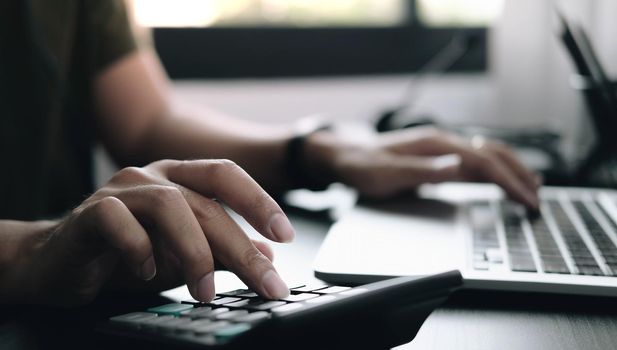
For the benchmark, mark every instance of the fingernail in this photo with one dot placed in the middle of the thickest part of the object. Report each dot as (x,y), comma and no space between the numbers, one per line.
(447,161)
(205,287)
(148,269)
(274,285)
(281,228)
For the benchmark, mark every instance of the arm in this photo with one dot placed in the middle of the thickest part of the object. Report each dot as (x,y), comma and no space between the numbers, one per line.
(138,125)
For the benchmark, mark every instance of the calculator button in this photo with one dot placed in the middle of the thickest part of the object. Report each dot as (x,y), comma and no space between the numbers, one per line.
(232,314)
(170,309)
(210,327)
(195,302)
(266,305)
(249,295)
(300,297)
(286,309)
(253,317)
(172,325)
(231,331)
(211,313)
(152,322)
(224,300)
(334,289)
(241,303)
(196,311)
(133,319)
(321,299)
(309,287)
(191,326)
(234,293)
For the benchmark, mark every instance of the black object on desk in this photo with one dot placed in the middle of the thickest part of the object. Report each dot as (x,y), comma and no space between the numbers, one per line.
(376,316)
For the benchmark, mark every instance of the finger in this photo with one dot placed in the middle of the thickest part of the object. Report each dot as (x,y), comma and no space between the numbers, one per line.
(530,179)
(264,248)
(166,209)
(109,219)
(224,180)
(479,164)
(497,172)
(232,247)
(409,172)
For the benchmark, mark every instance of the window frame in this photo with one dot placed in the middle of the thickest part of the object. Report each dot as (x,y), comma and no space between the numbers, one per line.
(233,52)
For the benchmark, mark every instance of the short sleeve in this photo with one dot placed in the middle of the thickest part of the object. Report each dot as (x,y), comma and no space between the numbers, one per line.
(111,28)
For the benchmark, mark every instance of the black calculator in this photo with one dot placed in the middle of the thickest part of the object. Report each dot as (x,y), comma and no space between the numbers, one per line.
(378,315)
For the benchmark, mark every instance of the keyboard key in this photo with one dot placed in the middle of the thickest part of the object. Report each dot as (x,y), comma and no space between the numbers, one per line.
(241,303)
(191,326)
(249,295)
(590,271)
(170,309)
(300,297)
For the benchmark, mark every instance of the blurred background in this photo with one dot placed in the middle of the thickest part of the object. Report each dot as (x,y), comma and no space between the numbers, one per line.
(280,60)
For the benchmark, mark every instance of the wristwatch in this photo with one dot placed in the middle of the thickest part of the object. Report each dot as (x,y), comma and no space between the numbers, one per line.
(295,160)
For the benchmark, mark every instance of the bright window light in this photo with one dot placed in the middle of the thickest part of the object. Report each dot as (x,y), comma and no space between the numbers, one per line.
(455,13)
(204,13)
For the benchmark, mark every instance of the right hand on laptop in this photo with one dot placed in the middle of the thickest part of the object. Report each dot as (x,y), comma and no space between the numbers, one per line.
(161,224)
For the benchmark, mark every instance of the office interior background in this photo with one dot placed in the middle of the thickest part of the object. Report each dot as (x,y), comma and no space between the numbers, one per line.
(279,60)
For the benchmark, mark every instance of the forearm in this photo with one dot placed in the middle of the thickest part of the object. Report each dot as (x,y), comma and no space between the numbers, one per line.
(258,149)
(17,240)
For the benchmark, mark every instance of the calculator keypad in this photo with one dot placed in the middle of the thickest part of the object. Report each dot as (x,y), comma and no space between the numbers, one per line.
(228,315)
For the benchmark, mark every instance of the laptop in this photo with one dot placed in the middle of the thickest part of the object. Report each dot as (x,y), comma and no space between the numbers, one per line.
(569,246)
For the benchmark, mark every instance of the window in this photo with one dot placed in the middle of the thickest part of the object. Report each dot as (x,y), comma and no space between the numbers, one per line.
(227,38)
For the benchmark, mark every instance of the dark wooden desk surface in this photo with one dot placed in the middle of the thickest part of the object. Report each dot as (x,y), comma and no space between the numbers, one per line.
(491,320)
(469,320)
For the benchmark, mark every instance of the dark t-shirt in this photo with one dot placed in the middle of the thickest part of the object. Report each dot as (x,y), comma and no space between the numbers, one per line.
(50,51)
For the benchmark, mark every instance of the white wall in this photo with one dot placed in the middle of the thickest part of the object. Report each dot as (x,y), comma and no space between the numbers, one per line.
(531,68)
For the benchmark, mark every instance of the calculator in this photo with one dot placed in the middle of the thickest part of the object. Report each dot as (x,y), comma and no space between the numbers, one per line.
(379,315)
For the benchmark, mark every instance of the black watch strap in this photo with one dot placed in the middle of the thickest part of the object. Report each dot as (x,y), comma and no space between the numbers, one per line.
(295,162)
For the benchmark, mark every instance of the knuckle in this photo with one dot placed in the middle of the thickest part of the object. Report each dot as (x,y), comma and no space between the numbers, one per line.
(105,210)
(251,258)
(131,174)
(166,194)
(208,210)
(221,167)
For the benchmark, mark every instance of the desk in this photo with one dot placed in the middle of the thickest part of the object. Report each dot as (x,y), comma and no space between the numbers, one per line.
(470,319)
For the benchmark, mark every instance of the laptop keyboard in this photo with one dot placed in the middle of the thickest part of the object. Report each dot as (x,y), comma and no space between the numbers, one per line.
(565,237)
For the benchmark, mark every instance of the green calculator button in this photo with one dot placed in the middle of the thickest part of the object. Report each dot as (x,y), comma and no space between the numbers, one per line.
(170,309)
(232,331)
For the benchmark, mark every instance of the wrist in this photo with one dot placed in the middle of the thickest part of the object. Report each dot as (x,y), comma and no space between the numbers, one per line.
(20,241)
(321,152)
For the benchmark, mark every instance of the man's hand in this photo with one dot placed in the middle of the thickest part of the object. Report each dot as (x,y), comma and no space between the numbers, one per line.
(402,160)
(163,224)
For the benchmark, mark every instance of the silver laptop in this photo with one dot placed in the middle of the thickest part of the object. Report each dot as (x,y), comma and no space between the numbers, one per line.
(570,246)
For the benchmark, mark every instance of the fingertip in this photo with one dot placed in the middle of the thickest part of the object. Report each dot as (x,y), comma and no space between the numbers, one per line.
(148,269)
(204,290)
(281,228)
(274,285)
